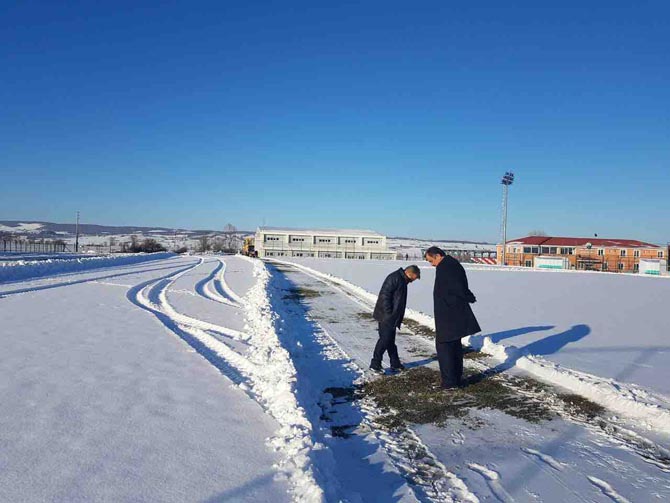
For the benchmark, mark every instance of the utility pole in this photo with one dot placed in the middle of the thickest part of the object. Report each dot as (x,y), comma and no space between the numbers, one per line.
(76,239)
(507,180)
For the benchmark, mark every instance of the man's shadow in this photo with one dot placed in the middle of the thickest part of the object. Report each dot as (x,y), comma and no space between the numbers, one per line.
(547,346)
(499,336)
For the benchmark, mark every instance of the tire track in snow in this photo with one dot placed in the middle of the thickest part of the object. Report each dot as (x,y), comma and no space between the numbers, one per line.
(265,373)
(222,286)
(158,297)
(7,293)
(204,287)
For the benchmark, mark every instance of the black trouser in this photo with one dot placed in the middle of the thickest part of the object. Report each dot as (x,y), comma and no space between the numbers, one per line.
(386,343)
(450,358)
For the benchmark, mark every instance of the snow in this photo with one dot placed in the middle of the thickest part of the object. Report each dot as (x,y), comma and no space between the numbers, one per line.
(102,403)
(491,456)
(201,378)
(16,270)
(22,227)
(600,335)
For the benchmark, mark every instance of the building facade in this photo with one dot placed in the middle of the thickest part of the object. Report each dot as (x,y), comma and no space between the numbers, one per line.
(321,243)
(609,255)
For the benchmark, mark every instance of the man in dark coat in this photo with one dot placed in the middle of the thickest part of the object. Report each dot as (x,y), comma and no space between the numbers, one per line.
(389,312)
(454,318)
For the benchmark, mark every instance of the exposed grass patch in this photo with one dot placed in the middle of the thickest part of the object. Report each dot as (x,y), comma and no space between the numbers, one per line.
(346,394)
(473,354)
(578,405)
(365,316)
(418,328)
(301,293)
(283,268)
(415,396)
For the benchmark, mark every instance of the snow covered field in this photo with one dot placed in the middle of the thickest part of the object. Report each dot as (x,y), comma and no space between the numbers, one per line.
(219,378)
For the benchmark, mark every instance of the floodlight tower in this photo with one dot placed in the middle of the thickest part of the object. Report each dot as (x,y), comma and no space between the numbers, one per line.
(507,180)
(76,239)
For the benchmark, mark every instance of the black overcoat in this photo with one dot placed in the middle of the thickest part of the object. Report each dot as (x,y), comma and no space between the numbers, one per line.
(392,300)
(454,318)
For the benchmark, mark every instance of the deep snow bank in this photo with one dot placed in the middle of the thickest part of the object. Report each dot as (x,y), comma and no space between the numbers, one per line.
(21,270)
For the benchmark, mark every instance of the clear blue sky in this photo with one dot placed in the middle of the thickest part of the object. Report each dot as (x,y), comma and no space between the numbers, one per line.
(395,116)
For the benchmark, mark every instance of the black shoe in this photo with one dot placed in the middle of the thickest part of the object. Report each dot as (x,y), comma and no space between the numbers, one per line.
(398,368)
(451,387)
(377,370)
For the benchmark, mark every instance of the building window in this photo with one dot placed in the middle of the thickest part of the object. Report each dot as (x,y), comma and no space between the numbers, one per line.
(604,266)
(621,266)
(660,254)
(636,254)
(636,268)
(529,263)
(601,252)
(545,250)
(350,241)
(567,251)
(623,253)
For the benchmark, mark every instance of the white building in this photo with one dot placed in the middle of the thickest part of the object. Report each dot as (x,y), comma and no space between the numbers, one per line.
(332,243)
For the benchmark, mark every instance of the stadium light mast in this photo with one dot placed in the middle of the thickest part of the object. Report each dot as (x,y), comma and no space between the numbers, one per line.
(76,239)
(507,180)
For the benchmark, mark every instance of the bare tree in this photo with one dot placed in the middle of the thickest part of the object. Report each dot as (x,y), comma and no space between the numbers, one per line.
(134,243)
(229,236)
(203,244)
(218,244)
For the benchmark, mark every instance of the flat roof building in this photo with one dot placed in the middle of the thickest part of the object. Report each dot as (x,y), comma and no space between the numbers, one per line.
(613,255)
(322,243)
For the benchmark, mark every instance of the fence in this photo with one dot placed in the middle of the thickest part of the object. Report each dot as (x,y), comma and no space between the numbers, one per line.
(21,246)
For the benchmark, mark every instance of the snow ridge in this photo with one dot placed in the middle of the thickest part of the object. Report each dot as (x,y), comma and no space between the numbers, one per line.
(274,383)
(27,269)
(265,373)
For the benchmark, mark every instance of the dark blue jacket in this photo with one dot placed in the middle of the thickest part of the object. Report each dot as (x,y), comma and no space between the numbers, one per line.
(392,300)
(454,318)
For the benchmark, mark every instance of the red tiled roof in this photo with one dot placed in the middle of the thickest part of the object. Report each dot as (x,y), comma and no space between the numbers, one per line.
(596,242)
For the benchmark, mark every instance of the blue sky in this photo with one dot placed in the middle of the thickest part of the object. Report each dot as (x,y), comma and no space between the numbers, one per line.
(395,116)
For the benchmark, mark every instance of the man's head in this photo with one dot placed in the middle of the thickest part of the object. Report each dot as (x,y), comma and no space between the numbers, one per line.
(434,255)
(412,273)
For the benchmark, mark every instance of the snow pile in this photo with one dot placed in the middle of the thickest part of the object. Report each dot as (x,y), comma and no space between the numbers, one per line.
(21,270)
(274,382)
(627,399)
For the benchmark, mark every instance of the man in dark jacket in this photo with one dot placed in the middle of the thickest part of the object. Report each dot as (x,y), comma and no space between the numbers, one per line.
(454,318)
(389,312)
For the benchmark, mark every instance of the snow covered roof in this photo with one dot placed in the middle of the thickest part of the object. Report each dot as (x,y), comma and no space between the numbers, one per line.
(596,242)
(320,232)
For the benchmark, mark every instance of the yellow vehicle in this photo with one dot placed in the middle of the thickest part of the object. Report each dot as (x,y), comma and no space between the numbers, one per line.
(248,248)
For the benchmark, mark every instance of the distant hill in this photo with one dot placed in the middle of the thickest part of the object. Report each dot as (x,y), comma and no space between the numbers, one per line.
(53,230)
